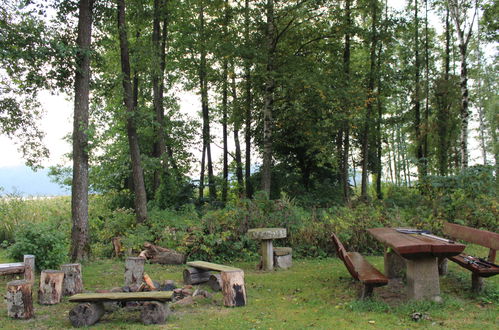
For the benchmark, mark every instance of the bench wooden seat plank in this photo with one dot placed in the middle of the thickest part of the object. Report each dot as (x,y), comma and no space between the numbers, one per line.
(122,296)
(211,266)
(481,271)
(411,246)
(7,269)
(365,271)
(360,269)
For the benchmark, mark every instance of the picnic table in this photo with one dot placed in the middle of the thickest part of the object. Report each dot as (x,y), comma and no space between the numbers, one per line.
(420,254)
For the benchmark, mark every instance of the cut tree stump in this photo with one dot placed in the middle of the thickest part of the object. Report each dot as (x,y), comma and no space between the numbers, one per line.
(134,271)
(196,275)
(29,268)
(154,312)
(215,282)
(50,291)
(19,299)
(73,282)
(233,289)
(86,314)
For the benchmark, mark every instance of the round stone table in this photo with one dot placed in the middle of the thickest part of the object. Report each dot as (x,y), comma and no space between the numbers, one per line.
(266,235)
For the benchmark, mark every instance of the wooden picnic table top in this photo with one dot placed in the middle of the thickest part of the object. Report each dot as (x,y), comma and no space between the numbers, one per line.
(413,246)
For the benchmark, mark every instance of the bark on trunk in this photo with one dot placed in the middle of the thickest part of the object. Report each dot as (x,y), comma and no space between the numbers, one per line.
(346,125)
(50,291)
(29,268)
(195,275)
(86,314)
(247,104)
(268,100)
(19,300)
(134,271)
(73,282)
(154,312)
(233,289)
(140,199)
(79,189)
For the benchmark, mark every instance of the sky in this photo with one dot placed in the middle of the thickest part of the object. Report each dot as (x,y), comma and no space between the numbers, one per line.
(57,123)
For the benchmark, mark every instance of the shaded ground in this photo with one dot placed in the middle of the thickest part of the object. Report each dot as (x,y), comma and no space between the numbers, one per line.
(314,294)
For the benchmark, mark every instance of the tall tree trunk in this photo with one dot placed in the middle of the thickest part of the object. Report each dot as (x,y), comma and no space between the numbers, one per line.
(346,125)
(203,82)
(369,108)
(248,106)
(417,97)
(237,127)
(79,195)
(140,200)
(268,100)
(427,96)
(459,15)
(225,92)
(379,147)
(159,51)
(201,176)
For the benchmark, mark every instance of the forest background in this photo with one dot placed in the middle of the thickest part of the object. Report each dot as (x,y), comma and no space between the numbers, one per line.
(315,97)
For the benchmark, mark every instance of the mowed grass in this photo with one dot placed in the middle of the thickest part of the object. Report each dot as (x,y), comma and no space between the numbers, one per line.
(314,294)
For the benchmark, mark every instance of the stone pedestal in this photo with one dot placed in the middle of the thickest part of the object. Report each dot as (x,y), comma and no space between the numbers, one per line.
(266,235)
(395,266)
(422,279)
(283,257)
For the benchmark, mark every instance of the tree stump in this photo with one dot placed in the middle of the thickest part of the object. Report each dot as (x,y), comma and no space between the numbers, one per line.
(196,275)
(73,282)
(233,288)
(215,282)
(134,271)
(19,299)
(29,268)
(50,291)
(86,314)
(154,312)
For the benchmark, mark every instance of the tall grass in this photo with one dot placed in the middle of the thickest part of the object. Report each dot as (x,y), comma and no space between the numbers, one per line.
(15,210)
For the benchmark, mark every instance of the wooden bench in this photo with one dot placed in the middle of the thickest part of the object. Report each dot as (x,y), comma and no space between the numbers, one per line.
(27,268)
(90,308)
(480,237)
(232,280)
(360,269)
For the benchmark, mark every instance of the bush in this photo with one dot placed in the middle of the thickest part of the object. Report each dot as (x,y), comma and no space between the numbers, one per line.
(44,240)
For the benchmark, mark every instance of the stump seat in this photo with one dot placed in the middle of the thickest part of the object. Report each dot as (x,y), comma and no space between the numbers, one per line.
(360,269)
(283,257)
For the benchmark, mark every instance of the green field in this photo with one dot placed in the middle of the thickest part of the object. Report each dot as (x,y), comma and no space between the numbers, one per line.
(314,294)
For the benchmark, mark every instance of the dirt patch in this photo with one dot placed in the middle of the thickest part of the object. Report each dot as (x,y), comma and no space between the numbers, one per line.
(394,293)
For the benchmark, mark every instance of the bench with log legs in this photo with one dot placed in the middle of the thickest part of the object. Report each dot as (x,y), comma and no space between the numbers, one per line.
(27,268)
(360,269)
(479,268)
(231,280)
(90,308)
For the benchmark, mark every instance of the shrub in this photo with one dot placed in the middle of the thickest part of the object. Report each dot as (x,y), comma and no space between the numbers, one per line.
(44,240)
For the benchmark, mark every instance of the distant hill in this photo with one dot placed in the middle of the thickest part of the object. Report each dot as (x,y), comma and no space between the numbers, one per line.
(23,181)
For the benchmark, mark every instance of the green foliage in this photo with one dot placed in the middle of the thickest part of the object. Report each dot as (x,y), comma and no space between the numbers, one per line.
(46,241)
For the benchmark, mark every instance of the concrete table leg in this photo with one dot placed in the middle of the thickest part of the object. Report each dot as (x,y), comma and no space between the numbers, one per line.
(394,265)
(267,255)
(423,280)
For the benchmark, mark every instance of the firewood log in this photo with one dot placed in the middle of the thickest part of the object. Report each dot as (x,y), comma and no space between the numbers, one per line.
(86,314)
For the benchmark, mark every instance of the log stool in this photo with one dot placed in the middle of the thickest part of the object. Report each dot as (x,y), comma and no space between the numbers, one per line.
(134,271)
(266,235)
(50,291)
(19,299)
(283,257)
(73,282)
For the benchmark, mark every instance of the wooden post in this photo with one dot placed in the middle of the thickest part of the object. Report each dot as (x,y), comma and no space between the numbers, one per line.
(215,282)
(29,268)
(196,275)
(73,282)
(154,312)
(233,288)
(19,299)
(50,291)
(86,314)
(134,271)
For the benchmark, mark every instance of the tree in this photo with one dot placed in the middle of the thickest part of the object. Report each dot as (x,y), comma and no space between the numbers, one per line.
(140,198)
(79,194)
(459,10)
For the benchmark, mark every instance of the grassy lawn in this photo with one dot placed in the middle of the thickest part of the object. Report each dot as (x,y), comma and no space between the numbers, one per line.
(315,294)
